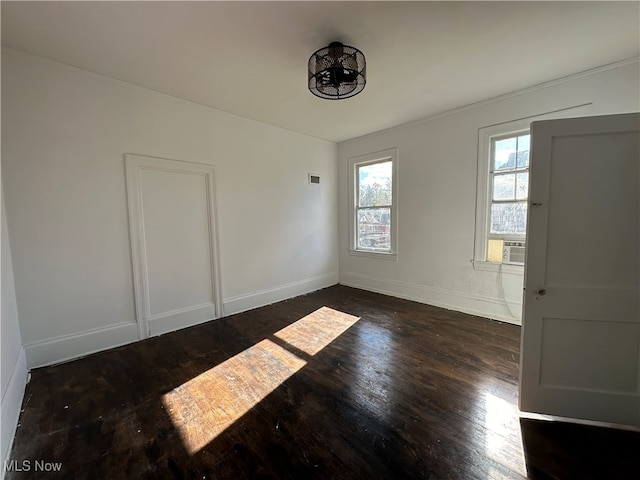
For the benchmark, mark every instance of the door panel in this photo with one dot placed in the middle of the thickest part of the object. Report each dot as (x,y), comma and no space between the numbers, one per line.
(593,182)
(177,240)
(590,364)
(580,354)
(173,238)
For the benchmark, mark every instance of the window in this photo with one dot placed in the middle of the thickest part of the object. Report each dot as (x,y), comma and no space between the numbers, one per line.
(503,189)
(509,176)
(373,193)
(373,206)
(509,186)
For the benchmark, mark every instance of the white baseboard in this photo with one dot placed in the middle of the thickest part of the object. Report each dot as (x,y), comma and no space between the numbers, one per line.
(242,303)
(494,308)
(68,347)
(11,405)
(185,317)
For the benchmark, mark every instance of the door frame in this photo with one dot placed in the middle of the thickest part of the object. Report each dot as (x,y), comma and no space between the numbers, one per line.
(134,166)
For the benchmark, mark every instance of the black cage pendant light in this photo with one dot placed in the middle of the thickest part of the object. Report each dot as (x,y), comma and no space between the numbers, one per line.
(337,71)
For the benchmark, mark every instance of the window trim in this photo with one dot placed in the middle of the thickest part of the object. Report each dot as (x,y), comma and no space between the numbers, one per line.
(371,159)
(483,187)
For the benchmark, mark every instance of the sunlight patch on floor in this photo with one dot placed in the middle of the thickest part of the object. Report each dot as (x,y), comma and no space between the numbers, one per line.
(317,330)
(205,406)
(503,439)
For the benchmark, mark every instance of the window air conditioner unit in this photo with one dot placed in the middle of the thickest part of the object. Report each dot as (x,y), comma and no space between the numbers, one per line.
(513,253)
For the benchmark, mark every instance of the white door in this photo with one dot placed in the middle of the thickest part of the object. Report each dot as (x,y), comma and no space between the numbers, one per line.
(580,355)
(173,238)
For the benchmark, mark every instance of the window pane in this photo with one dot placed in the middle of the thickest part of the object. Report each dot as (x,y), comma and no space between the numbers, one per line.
(504,154)
(523,151)
(509,218)
(504,187)
(522,186)
(374,229)
(374,183)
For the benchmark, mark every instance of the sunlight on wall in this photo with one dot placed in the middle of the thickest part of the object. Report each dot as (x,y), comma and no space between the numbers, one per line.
(205,406)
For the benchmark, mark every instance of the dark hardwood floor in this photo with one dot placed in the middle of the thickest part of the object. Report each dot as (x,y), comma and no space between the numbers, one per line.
(368,387)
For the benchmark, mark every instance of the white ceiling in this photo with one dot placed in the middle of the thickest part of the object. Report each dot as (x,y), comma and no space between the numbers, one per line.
(250,58)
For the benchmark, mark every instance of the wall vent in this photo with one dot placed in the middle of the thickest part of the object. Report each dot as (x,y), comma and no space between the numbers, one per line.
(314,179)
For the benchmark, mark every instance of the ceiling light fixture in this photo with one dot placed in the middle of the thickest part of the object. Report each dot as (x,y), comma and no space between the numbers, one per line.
(337,71)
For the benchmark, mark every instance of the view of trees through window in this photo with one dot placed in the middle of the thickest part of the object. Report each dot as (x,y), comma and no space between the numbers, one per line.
(510,185)
(373,209)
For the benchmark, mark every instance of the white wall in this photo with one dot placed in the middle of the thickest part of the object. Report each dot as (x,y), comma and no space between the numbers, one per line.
(65,132)
(437,195)
(13,367)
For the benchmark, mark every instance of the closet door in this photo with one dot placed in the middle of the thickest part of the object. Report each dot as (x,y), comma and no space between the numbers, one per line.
(173,237)
(580,354)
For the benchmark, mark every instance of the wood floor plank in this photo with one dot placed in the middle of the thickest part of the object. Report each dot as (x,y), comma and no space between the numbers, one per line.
(337,384)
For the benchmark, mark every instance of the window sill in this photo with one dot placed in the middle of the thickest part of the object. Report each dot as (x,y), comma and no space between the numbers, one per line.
(383,255)
(498,267)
